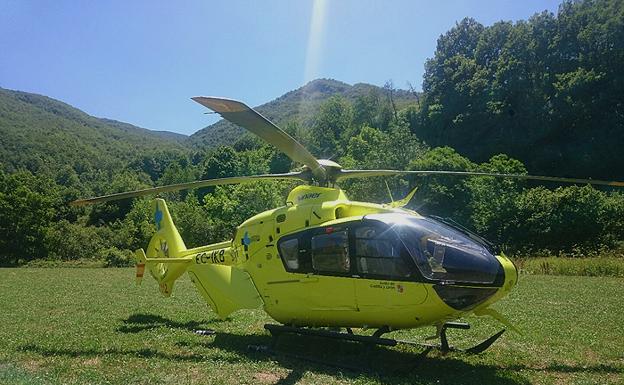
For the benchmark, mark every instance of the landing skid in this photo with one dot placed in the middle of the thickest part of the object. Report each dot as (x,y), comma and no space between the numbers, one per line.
(370,341)
(444,346)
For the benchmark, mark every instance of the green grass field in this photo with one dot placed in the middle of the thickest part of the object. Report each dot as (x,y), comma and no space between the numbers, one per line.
(91,326)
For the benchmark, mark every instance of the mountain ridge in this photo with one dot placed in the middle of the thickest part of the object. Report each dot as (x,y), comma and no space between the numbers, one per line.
(38,132)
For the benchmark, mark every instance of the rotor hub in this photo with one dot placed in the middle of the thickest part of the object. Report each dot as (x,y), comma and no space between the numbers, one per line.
(331,172)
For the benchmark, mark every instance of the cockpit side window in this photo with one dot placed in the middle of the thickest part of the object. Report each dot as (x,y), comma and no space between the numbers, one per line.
(379,253)
(289,250)
(293,249)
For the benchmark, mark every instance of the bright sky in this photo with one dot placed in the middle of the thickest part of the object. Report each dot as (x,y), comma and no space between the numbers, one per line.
(141,61)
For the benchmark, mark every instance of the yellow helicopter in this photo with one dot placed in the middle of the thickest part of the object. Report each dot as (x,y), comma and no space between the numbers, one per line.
(322,260)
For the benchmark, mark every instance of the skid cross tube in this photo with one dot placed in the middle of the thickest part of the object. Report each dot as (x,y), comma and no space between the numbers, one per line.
(444,345)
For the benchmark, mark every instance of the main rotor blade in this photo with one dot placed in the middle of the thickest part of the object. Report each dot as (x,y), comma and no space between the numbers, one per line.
(241,114)
(347,174)
(189,185)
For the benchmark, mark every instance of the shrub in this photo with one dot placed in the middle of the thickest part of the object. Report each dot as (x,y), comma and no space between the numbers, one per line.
(113,257)
(70,241)
(26,209)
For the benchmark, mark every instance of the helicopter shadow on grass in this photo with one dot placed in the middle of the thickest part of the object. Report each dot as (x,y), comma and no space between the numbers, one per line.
(140,322)
(146,353)
(301,354)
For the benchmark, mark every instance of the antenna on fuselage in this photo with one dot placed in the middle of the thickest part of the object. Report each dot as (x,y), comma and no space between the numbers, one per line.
(389,192)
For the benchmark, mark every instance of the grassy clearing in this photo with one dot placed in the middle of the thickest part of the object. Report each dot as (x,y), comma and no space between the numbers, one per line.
(85,326)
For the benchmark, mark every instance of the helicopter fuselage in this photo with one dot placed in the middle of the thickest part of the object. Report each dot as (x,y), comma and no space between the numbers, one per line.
(323,260)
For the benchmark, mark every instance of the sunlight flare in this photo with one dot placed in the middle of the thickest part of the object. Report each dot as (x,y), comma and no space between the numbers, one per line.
(315,40)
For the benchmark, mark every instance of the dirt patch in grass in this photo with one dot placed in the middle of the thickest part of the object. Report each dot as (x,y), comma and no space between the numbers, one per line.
(93,361)
(32,365)
(267,377)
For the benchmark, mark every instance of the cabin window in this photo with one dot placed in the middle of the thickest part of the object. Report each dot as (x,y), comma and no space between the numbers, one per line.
(289,250)
(330,252)
(378,253)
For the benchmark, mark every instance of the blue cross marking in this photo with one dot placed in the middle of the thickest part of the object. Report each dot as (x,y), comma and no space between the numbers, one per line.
(246,239)
(158,216)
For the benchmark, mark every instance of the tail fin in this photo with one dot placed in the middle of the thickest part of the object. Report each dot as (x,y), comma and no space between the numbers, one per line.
(164,252)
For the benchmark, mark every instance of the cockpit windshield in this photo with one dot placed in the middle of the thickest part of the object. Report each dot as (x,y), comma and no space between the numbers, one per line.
(441,252)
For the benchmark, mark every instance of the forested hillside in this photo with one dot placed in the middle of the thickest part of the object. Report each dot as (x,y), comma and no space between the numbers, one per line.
(42,134)
(542,96)
(548,91)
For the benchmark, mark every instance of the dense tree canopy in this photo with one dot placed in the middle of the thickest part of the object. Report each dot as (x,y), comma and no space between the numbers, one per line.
(547,91)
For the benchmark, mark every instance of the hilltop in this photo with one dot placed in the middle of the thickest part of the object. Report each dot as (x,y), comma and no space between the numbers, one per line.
(301,104)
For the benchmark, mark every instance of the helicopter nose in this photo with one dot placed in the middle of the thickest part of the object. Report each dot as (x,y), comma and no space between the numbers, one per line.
(511,273)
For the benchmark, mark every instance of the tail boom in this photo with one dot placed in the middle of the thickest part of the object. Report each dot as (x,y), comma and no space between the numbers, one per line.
(225,287)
